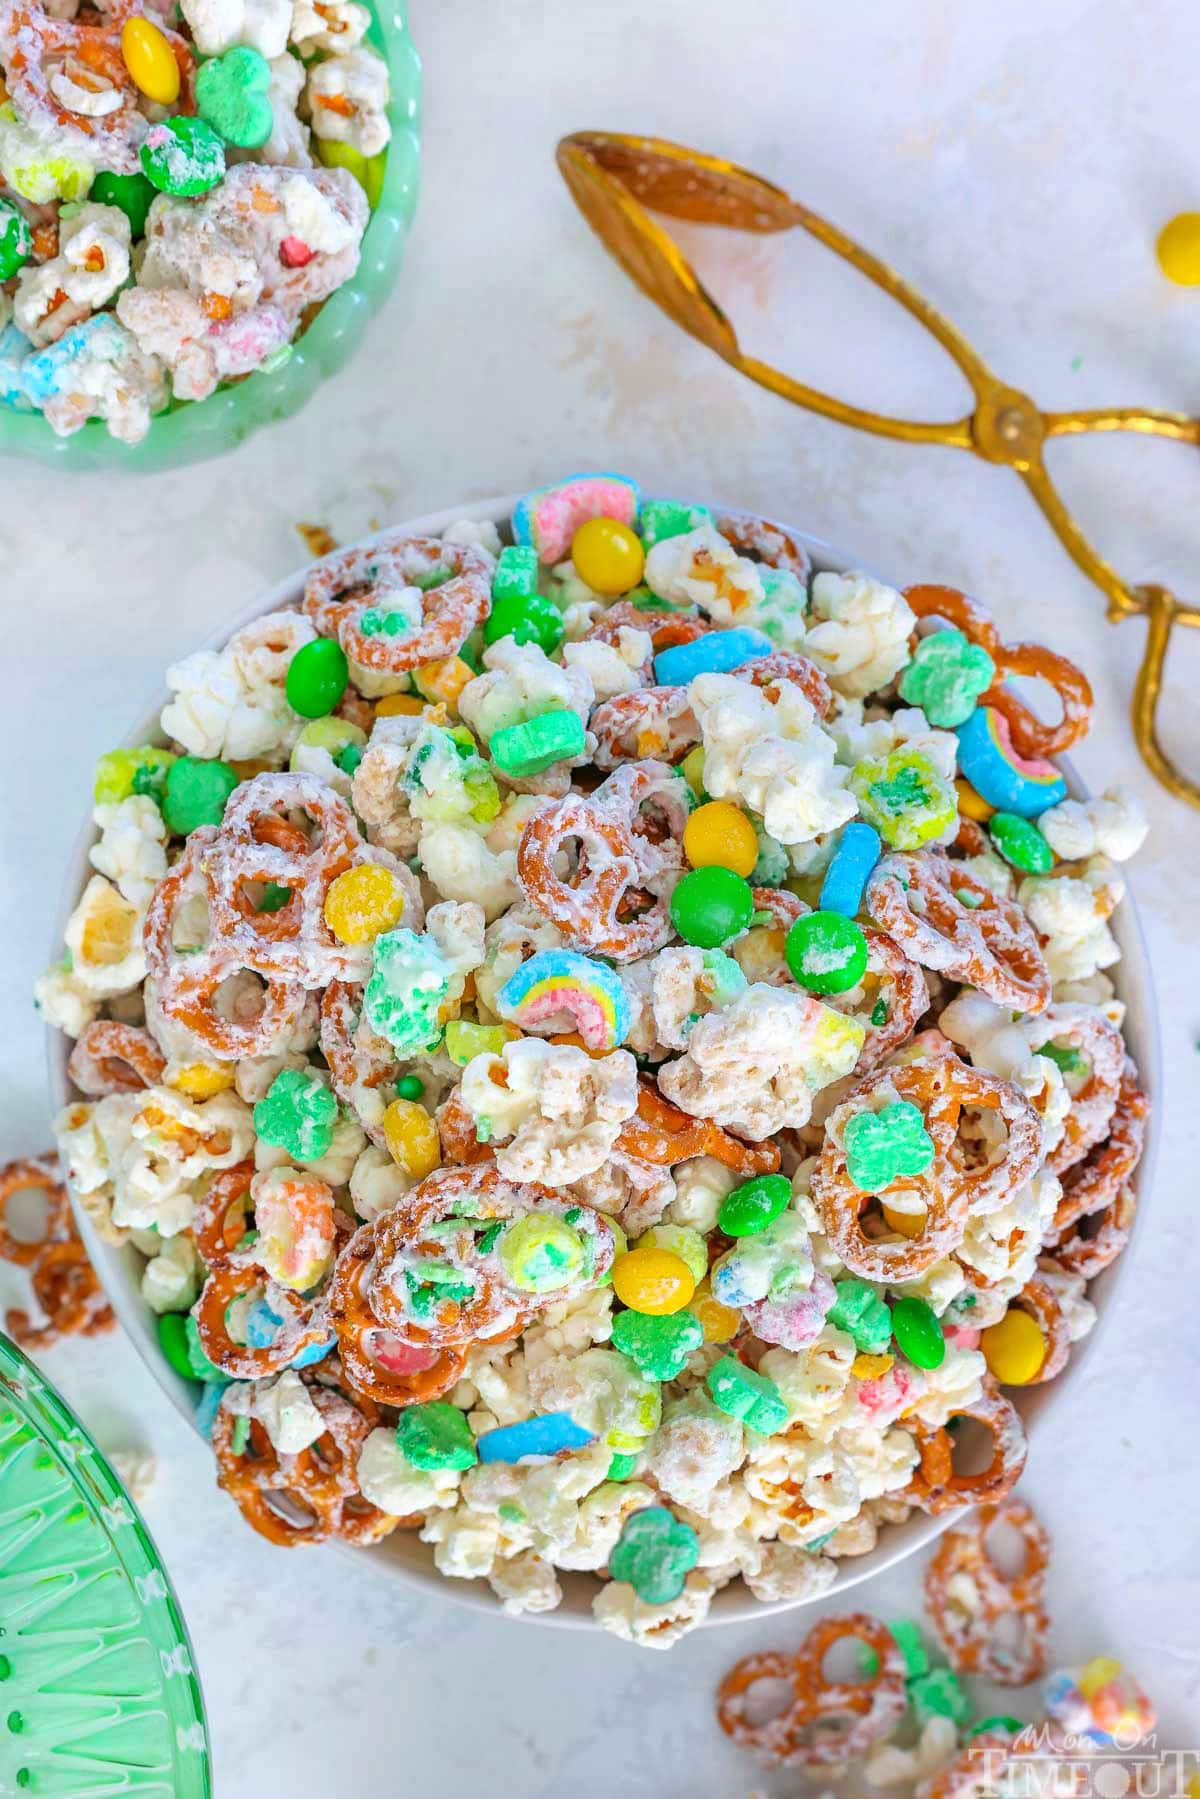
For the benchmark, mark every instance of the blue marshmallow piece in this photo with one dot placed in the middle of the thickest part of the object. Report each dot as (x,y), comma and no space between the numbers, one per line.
(1006,780)
(262,1327)
(207,1407)
(858,850)
(713,654)
(546,1435)
(15,347)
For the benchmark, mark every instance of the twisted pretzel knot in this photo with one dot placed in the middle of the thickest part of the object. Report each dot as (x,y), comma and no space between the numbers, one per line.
(342,589)
(826,1720)
(967,1594)
(936,1487)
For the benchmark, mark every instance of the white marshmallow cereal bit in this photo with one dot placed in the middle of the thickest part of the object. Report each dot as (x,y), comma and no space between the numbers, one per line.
(217,25)
(461,864)
(330,25)
(389,1481)
(754,1067)
(132,847)
(521,683)
(785,1571)
(618,1609)
(612,668)
(526,1583)
(1070,914)
(286,1412)
(860,639)
(694,1447)
(776,758)
(64,1003)
(171,1279)
(92,263)
(347,100)
(1114,825)
(559,1113)
(104,936)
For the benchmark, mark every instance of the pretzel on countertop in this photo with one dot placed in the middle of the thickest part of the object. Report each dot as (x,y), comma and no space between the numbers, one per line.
(825,1721)
(967,1594)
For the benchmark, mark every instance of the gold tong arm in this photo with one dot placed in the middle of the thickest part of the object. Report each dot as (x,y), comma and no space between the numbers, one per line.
(614,178)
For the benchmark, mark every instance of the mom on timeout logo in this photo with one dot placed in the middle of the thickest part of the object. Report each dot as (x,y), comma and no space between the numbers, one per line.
(1044,1761)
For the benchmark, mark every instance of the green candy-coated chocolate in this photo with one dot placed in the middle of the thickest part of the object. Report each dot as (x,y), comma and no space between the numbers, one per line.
(659,1345)
(202,1368)
(826,952)
(918,1333)
(526,618)
(946,677)
(196,793)
(751,1207)
(742,1393)
(1020,842)
(231,95)
(173,1341)
(410,1086)
(538,743)
(183,156)
(132,193)
(1011,1726)
(882,1146)
(316,677)
(16,240)
(436,1435)
(711,905)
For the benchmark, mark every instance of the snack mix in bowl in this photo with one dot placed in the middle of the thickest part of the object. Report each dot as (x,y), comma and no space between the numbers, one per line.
(180,190)
(603,1041)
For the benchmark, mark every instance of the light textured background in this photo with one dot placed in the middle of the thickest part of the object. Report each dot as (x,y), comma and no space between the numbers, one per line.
(1015,161)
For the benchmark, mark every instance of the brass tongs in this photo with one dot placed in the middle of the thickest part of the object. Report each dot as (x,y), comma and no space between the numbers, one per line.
(614,178)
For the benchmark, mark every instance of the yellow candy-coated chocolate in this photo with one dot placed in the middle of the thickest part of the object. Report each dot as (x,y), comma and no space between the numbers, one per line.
(363,903)
(692,770)
(200,1080)
(608,556)
(906,1224)
(972,804)
(399,705)
(150,61)
(1178,249)
(654,1281)
(412,1138)
(1014,1349)
(719,835)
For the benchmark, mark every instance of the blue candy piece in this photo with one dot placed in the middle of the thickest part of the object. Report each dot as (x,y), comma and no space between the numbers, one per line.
(14,348)
(47,372)
(545,1435)
(713,654)
(858,850)
(998,774)
(262,1326)
(207,1407)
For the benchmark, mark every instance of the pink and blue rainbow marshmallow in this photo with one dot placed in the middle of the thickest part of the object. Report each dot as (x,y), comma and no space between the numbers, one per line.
(558,988)
(549,517)
(1006,780)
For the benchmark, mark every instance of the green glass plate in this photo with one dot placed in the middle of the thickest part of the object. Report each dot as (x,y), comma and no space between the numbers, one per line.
(98,1694)
(192,431)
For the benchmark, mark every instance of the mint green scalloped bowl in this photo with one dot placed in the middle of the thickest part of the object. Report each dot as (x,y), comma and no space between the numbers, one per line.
(191,431)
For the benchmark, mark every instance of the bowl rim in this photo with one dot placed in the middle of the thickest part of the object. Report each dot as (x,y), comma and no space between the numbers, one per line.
(734,1603)
(196,431)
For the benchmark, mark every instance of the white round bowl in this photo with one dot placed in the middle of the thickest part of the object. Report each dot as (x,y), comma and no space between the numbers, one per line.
(402,1556)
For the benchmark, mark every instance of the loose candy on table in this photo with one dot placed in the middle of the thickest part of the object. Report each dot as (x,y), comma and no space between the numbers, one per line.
(946,677)
(653,1281)
(905,798)
(608,556)
(527,749)
(173,1341)
(1178,249)
(744,1394)
(297,1113)
(887,1145)
(858,850)
(655,1554)
(1003,778)
(232,96)
(151,62)
(754,1205)
(714,653)
(1020,843)
(436,1435)
(183,156)
(720,835)
(939,1694)
(1101,1702)
(549,517)
(196,793)
(316,677)
(548,1434)
(16,240)
(561,990)
(826,952)
(658,1344)
(710,905)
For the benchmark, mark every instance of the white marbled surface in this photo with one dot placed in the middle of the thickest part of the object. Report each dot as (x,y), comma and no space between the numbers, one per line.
(1015,161)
